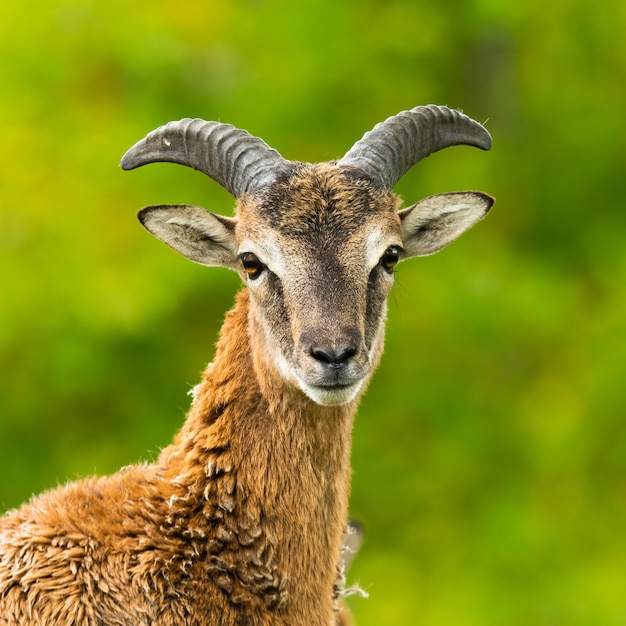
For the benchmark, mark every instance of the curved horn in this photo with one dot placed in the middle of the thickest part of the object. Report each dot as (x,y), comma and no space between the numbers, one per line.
(394,146)
(232,157)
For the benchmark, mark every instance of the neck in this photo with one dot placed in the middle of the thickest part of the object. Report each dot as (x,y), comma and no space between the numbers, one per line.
(270,471)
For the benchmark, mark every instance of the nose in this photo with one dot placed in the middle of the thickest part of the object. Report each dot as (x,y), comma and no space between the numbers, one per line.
(335,357)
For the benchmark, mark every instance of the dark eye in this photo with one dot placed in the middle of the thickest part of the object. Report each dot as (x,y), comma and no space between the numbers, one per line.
(390,259)
(251,265)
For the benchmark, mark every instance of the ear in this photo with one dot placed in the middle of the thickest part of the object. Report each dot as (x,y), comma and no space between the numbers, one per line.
(196,233)
(434,222)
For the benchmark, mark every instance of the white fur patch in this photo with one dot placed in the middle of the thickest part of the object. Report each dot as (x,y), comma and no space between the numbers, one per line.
(376,243)
(268,252)
(329,396)
(193,392)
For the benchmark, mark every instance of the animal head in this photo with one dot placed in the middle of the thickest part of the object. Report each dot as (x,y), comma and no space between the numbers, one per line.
(316,244)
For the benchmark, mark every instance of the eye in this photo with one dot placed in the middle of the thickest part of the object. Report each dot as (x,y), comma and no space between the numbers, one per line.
(390,259)
(251,265)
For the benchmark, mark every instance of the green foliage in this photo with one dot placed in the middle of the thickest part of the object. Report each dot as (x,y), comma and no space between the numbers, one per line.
(490,451)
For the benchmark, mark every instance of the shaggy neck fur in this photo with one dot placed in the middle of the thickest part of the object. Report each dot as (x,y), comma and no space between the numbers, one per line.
(239,523)
(260,473)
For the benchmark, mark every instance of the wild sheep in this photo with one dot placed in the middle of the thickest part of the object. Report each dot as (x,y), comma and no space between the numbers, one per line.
(241,519)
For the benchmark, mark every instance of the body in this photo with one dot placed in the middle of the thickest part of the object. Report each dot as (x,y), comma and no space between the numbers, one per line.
(190,540)
(241,520)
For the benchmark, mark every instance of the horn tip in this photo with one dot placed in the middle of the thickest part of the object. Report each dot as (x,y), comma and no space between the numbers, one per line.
(486,141)
(479,137)
(129,162)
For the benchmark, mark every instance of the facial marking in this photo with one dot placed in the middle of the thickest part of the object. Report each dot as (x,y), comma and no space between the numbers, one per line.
(377,241)
(268,250)
(331,396)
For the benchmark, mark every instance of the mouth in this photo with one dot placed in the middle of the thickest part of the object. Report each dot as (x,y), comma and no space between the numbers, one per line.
(331,395)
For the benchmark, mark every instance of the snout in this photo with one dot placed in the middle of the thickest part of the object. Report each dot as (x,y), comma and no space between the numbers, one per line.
(331,366)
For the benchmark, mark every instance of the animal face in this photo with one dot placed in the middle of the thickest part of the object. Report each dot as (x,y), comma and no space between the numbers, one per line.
(317,249)
(316,244)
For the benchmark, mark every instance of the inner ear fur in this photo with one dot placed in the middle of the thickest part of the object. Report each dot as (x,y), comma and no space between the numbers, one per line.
(194,232)
(434,222)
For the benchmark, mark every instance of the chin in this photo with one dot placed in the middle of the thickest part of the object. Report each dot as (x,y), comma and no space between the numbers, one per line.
(331,396)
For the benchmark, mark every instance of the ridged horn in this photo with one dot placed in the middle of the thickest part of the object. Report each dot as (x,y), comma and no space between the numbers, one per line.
(232,157)
(394,146)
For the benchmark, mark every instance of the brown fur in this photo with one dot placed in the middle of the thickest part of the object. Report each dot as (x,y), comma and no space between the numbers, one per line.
(218,531)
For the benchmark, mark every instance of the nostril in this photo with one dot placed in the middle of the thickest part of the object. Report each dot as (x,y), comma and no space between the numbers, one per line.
(325,354)
(345,353)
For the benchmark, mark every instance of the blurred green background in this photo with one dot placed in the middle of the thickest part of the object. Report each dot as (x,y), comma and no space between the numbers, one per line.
(490,452)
